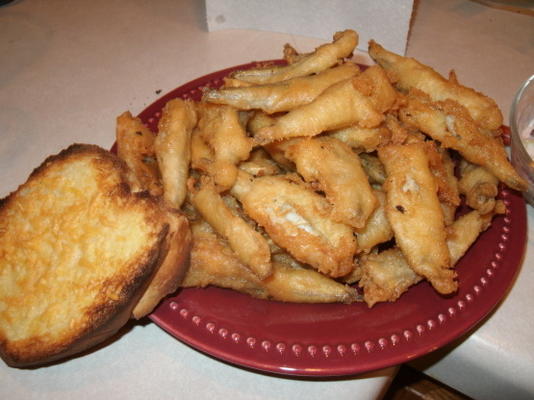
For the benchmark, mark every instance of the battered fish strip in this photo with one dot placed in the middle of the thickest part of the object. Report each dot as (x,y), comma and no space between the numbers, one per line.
(362,139)
(374,83)
(449,123)
(377,230)
(214,263)
(173,148)
(339,106)
(260,164)
(250,246)
(297,220)
(360,100)
(335,169)
(387,275)
(414,212)
(464,231)
(281,96)
(413,74)
(325,56)
(479,186)
(442,168)
(135,145)
(220,129)
(373,168)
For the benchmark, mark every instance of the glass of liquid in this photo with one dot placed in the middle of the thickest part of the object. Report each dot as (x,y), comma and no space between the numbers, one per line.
(522,127)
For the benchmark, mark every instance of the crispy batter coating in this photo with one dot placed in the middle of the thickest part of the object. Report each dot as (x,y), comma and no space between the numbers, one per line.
(362,139)
(410,73)
(297,219)
(281,96)
(336,170)
(442,168)
(325,56)
(464,231)
(214,263)
(260,164)
(339,106)
(377,230)
(221,143)
(306,286)
(386,276)
(449,123)
(414,212)
(173,148)
(374,83)
(249,245)
(135,145)
(373,168)
(479,186)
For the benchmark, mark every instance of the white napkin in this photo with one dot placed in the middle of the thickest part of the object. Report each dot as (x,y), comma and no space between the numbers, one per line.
(386,21)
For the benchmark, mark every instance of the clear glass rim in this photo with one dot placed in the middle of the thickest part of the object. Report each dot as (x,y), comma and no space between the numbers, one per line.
(518,95)
(516,135)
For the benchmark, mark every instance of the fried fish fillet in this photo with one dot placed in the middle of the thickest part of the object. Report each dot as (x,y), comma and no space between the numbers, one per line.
(297,219)
(249,245)
(281,96)
(220,131)
(449,123)
(135,145)
(414,212)
(386,276)
(173,148)
(336,170)
(362,139)
(339,106)
(479,186)
(325,56)
(411,74)
(214,263)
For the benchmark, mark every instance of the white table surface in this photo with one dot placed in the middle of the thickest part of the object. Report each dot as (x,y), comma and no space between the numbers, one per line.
(67,71)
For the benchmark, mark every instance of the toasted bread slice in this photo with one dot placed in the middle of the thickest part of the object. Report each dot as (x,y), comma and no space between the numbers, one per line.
(78,249)
(173,268)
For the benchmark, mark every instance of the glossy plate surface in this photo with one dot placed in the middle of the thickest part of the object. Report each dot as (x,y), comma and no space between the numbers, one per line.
(338,339)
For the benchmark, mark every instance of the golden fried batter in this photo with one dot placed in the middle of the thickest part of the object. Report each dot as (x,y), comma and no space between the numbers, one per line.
(323,57)
(410,73)
(449,123)
(479,186)
(339,106)
(297,219)
(214,263)
(414,212)
(135,145)
(386,276)
(220,129)
(173,148)
(336,171)
(249,245)
(281,96)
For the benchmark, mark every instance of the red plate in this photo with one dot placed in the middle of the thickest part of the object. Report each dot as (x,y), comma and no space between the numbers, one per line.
(338,339)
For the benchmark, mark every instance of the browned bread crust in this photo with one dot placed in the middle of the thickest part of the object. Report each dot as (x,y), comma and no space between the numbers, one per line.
(171,273)
(77,251)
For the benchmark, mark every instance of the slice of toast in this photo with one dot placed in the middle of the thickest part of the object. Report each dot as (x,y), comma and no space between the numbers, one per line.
(173,268)
(78,250)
